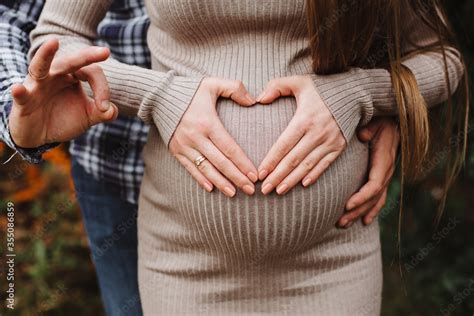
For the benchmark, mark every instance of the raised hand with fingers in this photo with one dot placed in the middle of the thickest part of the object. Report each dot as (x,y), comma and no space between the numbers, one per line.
(310,143)
(384,137)
(51,105)
(205,148)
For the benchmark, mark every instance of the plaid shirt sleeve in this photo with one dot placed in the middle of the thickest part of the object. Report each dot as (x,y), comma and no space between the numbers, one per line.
(17,19)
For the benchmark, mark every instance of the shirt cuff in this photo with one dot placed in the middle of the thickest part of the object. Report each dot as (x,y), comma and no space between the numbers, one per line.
(31,155)
(166,104)
(348,98)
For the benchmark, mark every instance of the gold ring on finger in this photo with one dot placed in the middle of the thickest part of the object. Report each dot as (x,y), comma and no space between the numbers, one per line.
(199,160)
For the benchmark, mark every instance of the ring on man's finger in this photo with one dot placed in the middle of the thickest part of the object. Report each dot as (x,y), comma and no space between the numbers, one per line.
(37,78)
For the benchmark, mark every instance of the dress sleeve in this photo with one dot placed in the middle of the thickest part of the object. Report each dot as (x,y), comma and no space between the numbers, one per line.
(354,97)
(156,97)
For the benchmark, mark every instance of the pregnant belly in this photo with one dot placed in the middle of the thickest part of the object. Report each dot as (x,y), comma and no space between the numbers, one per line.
(177,212)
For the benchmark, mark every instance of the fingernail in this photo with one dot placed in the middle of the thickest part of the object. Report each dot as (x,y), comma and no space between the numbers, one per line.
(252,176)
(349,224)
(229,191)
(267,188)
(261,96)
(100,49)
(369,220)
(249,189)
(343,222)
(263,174)
(249,99)
(208,187)
(282,188)
(306,182)
(105,105)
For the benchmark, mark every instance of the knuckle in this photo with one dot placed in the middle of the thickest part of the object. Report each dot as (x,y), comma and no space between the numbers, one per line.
(174,151)
(340,144)
(312,120)
(293,162)
(325,163)
(305,122)
(174,146)
(180,139)
(202,126)
(186,121)
(220,163)
(281,150)
(237,85)
(307,164)
(327,116)
(229,150)
(69,64)
(272,84)
(94,68)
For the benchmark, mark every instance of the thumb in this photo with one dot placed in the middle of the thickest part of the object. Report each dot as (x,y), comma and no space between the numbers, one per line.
(20,94)
(235,90)
(275,89)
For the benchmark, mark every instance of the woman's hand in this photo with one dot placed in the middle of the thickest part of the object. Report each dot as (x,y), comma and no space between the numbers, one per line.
(201,132)
(308,146)
(51,105)
(384,137)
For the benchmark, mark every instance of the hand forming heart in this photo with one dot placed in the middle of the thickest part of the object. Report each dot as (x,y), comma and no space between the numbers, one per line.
(308,146)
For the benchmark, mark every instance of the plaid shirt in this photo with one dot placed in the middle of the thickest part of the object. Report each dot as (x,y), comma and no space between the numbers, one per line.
(110,152)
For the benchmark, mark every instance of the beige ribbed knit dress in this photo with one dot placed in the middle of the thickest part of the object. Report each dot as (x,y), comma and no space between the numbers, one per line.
(204,253)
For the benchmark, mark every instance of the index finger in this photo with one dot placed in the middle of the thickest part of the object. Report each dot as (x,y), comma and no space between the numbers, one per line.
(72,63)
(379,176)
(41,61)
(227,145)
(287,140)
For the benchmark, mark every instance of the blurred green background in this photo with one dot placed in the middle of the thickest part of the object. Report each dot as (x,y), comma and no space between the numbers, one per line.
(55,276)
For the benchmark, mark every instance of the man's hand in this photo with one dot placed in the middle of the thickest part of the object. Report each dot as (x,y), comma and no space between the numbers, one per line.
(370,199)
(51,105)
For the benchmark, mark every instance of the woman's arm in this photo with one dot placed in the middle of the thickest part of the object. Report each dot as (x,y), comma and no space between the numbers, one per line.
(329,109)
(356,96)
(157,97)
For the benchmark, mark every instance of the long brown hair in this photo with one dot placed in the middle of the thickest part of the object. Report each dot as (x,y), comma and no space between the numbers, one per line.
(369,33)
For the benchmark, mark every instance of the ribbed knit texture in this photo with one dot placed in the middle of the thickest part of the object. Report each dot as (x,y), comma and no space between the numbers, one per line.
(203,253)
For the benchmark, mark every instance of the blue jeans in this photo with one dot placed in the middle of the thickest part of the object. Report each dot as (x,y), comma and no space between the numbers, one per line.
(111,226)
